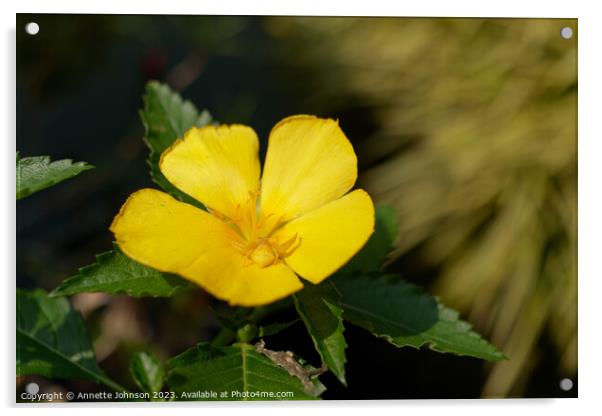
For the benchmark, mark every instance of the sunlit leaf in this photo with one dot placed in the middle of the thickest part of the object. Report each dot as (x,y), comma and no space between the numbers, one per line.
(38,172)
(238,368)
(320,309)
(147,371)
(115,273)
(405,316)
(52,340)
(166,117)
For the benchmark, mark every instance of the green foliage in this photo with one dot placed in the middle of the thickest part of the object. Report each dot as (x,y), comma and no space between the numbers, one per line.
(397,311)
(114,273)
(147,371)
(403,315)
(379,246)
(319,306)
(52,340)
(234,368)
(166,117)
(38,172)
(271,329)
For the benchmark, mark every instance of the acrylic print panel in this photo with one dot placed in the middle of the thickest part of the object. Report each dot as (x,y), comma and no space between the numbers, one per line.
(295,208)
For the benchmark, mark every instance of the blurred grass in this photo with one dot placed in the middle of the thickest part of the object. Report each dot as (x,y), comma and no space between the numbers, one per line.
(473,141)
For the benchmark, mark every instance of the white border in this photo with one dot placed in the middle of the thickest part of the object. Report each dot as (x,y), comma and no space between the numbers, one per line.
(590,190)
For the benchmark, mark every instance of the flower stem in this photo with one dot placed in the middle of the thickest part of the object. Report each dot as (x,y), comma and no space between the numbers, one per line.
(224,337)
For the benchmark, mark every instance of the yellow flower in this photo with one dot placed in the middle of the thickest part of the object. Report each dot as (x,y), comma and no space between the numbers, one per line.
(258,235)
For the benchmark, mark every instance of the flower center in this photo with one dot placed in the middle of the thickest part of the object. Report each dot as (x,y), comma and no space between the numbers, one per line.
(253,234)
(263,255)
(266,252)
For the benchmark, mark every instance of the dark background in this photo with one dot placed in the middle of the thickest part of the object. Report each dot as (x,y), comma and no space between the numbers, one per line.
(400,88)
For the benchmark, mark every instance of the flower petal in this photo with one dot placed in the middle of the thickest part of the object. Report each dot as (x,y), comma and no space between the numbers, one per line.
(157,230)
(234,278)
(309,163)
(217,165)
(330,235)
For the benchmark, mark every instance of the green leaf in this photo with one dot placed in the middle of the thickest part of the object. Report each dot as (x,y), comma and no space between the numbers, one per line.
(271,329)
(114,272)
(52,340)
(380,244)
(147,371)
(320,309)
(237,368)
(166,117)
(403,315)
(38,172)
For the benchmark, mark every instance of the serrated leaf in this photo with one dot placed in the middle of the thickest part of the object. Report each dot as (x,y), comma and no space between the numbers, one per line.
(52,340)
(38,172)
(319,306)
(405,316)
(147,371)
(166,117)
(114,273)
(371,257)
(237,368)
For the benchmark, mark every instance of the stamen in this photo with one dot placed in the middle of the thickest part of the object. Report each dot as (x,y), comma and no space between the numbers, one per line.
(291,243)
(253,234)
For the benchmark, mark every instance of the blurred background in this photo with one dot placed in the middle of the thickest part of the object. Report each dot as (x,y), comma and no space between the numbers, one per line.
(467,127)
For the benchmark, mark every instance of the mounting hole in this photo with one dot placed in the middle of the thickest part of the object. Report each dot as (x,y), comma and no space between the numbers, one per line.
(32,28)
(567,33)
(566,384)
(32,388)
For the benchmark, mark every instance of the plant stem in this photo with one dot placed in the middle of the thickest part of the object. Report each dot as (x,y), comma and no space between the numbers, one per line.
(224,337)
